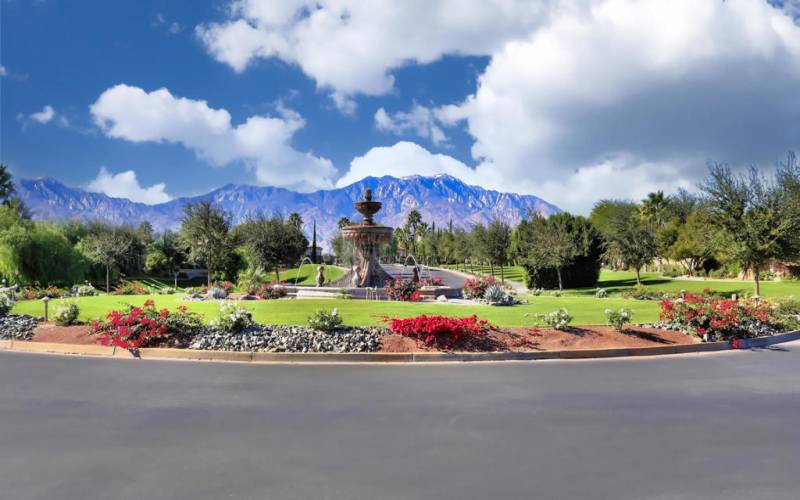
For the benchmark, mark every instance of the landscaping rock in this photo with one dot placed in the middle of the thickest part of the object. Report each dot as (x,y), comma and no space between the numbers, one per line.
(271,338)
(14,327)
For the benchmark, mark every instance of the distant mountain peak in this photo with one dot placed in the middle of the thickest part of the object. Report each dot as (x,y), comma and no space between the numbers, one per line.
(438,198)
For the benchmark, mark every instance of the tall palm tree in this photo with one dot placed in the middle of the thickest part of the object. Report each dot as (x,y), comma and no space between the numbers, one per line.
(654,207)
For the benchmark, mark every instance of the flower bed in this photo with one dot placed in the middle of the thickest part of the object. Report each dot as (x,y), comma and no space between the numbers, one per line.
(404,290)
(440,332)
(716,318)
(147,326)
(475,288)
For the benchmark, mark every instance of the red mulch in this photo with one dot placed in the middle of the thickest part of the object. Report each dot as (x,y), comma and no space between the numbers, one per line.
(510,339)
(546,339)
(77,334)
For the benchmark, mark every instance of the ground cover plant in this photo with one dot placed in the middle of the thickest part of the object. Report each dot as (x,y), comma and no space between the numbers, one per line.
(441,332)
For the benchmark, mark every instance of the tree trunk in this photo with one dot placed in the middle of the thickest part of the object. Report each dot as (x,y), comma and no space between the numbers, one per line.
(107,278)
(502,275)
(560,285)
(757,279)
(278,275)
(176,281)
(638,279)
(208,278)
(491,268)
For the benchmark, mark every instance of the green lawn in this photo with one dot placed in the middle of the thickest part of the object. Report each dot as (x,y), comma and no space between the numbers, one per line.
(307,274)
(616,282)
(586,311)
(514,273)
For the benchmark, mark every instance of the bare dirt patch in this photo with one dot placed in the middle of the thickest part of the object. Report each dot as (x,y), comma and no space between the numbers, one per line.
(76,334)
(546,339)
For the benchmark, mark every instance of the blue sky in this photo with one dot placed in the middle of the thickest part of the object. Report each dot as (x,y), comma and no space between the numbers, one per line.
(570,100)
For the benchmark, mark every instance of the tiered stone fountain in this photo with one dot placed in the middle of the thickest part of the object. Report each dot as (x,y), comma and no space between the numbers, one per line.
(368,238)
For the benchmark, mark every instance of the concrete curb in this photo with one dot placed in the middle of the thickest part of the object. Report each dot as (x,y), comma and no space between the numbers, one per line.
(379,357)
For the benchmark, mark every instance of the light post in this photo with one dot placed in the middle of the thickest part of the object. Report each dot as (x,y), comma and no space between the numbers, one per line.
(45,299)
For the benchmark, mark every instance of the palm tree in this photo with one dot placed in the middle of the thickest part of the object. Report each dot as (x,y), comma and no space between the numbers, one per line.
(654,207)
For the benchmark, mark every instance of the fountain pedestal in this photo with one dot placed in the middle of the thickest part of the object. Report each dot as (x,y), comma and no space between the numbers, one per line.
(368,238)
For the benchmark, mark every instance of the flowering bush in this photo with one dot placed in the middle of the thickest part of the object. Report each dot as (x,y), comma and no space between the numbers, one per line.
(440,331)
(600,293)
(226,285)
(85,290)
(6,302)
(405,290)
(716,317)
(272,292)
(558,320)
(67,314)
(325,321)
(146,326)
(475,288)
(232,318)
(432,281)
(618,319)
(167,290)
(130,288)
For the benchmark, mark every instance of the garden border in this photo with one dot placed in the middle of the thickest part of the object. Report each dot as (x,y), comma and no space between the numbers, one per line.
(378,357)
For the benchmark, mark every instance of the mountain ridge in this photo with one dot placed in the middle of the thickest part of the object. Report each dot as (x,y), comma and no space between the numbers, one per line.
(440,198)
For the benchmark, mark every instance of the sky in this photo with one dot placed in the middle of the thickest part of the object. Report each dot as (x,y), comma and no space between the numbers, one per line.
(569,100)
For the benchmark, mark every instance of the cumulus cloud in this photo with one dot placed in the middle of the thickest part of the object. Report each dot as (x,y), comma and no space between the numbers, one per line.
(420,120)
(47,115)
(351,46)
(262,143)
(404,159)
(126,185)
(627,96)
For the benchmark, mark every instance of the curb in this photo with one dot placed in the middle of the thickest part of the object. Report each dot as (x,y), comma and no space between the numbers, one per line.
(378,357)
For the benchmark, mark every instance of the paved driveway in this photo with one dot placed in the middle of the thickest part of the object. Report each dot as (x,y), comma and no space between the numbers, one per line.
(722,426)
(451,279)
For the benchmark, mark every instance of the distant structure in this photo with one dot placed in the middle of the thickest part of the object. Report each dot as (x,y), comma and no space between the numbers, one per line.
(368,238)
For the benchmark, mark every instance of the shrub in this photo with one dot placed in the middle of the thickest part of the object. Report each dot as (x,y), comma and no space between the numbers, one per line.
(536,291)
(130,288)
(6,302)
(405,290)
(67,314)
(475,288)
(718,317)
(641,292)
(146,326)
(216,292)
(232,318)
(252,281)
(600,293)
(786,314)
(167,290)
(85,290)
(432,281)
(440,331)
(558,320)
(618,319)
(495,295)
(325,321)
(272,292)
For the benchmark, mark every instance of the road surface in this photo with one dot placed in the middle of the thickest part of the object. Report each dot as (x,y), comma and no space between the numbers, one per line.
(721,426)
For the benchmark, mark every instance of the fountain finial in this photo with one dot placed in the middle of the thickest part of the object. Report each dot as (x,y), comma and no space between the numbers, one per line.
(368,195)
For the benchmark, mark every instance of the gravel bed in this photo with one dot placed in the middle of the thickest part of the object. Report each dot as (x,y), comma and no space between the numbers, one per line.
(270,338)
(17,327)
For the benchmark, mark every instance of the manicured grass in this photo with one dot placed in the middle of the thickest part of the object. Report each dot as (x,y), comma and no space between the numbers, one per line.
(586,311)
(616,282)
(513,273)
(307,274)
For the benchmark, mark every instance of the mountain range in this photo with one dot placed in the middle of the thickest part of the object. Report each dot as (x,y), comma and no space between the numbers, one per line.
(440,199)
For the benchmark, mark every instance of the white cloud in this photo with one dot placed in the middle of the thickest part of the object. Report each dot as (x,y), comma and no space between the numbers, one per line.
(126,185)
(629,96)
(404,159)
(263,143)
(351,46)
(3,71)
(419,120)
(44,116)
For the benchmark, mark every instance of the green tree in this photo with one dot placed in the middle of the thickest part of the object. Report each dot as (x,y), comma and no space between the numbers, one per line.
(6,184)
(295,220)
(271,242)
(495,242)
(165,255)
(632,240)
(39,253)
(106,246)
(552,244)
(411,229)
(761,215)
(205,232)
(696,241)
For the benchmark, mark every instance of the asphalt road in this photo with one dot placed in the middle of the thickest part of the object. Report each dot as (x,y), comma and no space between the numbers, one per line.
(721,426)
